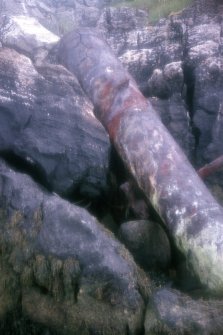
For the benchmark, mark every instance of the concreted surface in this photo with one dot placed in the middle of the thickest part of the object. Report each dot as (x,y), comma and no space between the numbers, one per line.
(162,171)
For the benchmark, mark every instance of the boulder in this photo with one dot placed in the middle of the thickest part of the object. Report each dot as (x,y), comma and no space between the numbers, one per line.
(174,115)
(48,128)
(204,61)
(207,111)
(27,35)
(61,267)
(148,243)
(58,16)
(141,47)
(171,312)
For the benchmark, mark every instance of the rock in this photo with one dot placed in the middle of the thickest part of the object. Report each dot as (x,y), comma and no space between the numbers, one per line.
(174,115)
(142,48)
(205,64)
(61,267)
(172,312)
(203,41)
(158,85)
(164,83)
(47,130)
(207,109)
(47,125)
(174,75)
(58,16)
(27,35)
(147,242)
(122,19)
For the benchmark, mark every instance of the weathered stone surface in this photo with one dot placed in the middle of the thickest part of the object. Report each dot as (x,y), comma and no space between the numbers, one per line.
(172,312)
(204,60)
(142,48)
(208,102)
(174,115)
(47,122)
(61,266)
(147,242)
(27,35)
(184,52)
(164,83)
(57,16)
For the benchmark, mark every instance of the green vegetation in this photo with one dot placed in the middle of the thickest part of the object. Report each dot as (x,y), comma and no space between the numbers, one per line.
(157,8)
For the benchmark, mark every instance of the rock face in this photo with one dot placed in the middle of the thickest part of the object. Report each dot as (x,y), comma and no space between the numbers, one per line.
(56,15)
(61,266)
(205,61)
(172,312)
(47,123)
(57,263)
(27,35)
(147,242)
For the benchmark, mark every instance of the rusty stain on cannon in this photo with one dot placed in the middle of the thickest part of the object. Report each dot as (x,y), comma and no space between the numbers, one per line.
(211,168)
(191,214)
(112,90)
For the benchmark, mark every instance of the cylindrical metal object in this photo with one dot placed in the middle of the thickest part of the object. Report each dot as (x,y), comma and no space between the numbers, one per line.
(191,214)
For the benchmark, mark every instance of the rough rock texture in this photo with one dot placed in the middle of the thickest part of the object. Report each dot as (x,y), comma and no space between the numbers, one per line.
(47,123)
(56,15)
(174,115)
(47,130)
(26,35)
(147,242)
(61,266)
(206,65)
(146,51)
(171,312)
(178,61)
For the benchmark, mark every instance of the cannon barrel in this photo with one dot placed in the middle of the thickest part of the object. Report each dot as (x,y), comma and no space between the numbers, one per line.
(191,214)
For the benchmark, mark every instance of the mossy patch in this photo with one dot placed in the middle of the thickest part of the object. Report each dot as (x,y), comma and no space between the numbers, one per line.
(157,9)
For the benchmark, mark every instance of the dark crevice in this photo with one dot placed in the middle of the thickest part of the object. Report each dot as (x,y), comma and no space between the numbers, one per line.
(189,78)
(76,290)
(42,289)
(26,166)
(15,323)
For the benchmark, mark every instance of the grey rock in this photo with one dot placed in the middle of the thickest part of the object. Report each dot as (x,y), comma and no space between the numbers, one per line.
(57,16)
(47,122)
(203,41)
(171,312)
(174,75)
(27,35)
(164,83)
(61,267)
(207,108)
(141,47)
(158,85)
(174,115)
(147,242)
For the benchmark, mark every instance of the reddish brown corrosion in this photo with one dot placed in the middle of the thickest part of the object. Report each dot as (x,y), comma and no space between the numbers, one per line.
(211,168)
(158,165)
(111,88)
